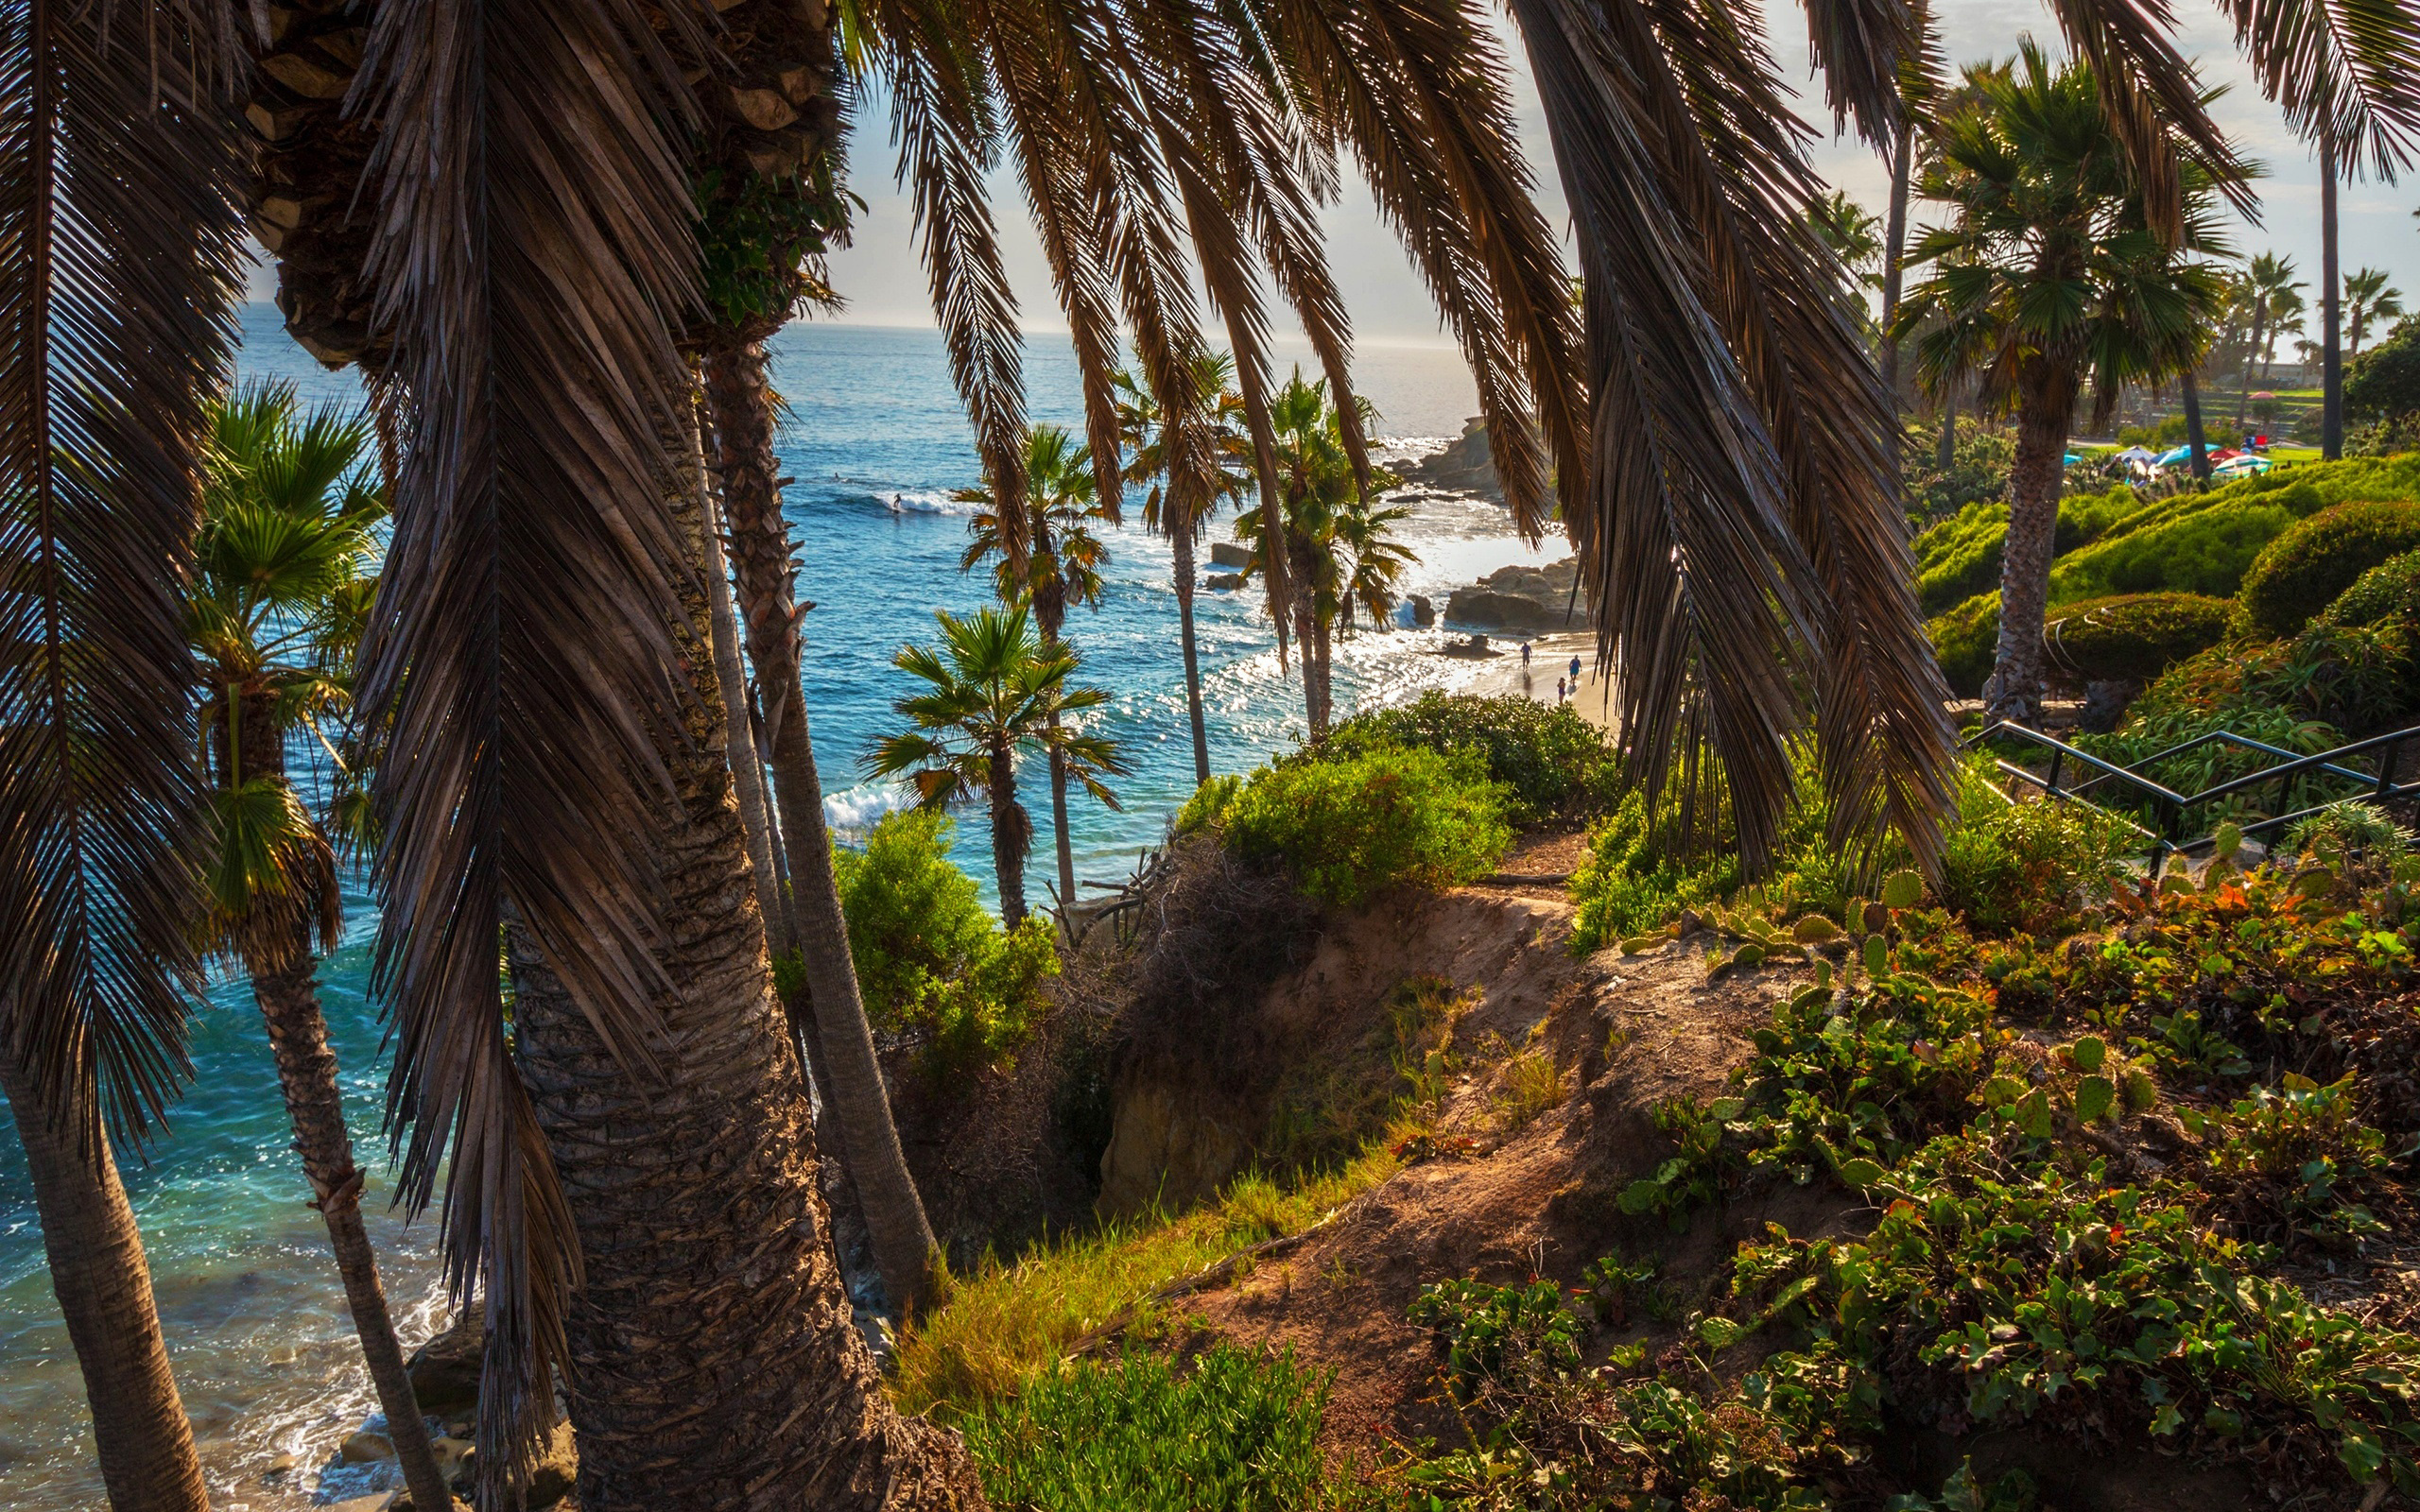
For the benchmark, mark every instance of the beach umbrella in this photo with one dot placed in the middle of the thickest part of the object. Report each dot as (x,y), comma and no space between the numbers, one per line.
(2171,459)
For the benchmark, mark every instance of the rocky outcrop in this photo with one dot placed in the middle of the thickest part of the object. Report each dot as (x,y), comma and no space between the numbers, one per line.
(1223,582)
(1171,1147)
(1465,465)
(1521,597)
(446,1370)
(1230,554)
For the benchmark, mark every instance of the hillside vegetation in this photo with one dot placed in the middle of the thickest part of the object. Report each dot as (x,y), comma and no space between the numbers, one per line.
(2045,1183)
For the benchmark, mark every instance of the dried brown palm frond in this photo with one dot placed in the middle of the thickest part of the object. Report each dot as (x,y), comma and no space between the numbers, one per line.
(1744,552)
(1416,90)
(520,665)
(2350,66)
(2157,102)
(119,267)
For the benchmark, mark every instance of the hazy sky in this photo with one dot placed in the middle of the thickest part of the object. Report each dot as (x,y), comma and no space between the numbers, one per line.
(884,282)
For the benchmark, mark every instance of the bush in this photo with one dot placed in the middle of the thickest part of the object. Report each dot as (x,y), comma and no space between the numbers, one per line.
(2389,591)
(1967,641)
(1350,827)
(2383,384)
(1207,805)
(1239,1434)
(2304,569)
(2205,551)
(1632,879)
(2134,637)
(934,966)
(2027,865)
(1981,458)
(1961,557)
(2357,679)
(1552,761)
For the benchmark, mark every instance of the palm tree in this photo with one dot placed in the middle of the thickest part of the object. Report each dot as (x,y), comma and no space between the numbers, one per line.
(278,586)
(1062,563)
(2272,290)
(120,234)
(769,179)
(1853,233)
(997,694)
(1334,542)
(1194,463)
(2051,274)
(2368,297)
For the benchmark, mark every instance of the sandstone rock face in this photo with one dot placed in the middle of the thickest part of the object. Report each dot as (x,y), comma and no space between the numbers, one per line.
(1224,582)
(1423,612)
(1466,464)
(1167,1146)
(1230,554)
(1521,597)
(366,1448)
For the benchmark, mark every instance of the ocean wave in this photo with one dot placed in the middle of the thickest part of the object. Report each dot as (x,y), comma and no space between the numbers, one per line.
(854,810)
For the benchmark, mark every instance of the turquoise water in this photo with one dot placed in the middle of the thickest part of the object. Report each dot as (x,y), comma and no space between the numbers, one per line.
(247,1293)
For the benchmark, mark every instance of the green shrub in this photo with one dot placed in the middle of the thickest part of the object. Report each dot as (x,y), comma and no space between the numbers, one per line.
(1961,557)
(2389,591)
(2355,679)
(934,966)
(2384,382)
(1354,826)
(2156,724)
(2134,637)
(1240,1433)
(2304,569)
(1633,879)
(1209,804)
(1968,640)
(2205,551)
(2027,865)
(1550,759)
(1981,458)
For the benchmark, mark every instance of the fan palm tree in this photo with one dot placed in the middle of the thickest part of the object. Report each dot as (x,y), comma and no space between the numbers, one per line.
(2368,299)
(276,611)
(1334,544)
(1062,565)
(997,694)
(1194,463)
(2270,288)
(121,190)
(2047,276)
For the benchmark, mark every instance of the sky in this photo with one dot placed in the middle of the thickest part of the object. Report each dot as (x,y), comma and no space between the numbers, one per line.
(884,282)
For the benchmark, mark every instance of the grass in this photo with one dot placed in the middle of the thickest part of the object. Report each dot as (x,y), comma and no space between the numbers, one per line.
(1003,1325)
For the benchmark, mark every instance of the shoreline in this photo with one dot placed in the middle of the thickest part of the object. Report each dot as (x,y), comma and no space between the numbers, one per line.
(1550,655)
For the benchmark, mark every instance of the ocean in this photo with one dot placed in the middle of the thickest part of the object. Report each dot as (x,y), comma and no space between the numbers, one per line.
(258,1336)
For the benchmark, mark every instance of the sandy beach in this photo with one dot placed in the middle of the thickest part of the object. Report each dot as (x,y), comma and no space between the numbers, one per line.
(1550,658)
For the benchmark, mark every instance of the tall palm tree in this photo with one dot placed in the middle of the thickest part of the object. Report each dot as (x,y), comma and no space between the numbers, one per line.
(2049,275)
(2286,310)
(630,1177)
(278,587)
(121,185)
(1334,544)
(1063,558)
(1196,458)
(1853,233)
(2368,299)
(997,694)
(2271,289)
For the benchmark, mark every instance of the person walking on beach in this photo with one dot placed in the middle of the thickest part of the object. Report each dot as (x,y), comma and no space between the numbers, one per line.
(1575,671)
(1525,656)
(1560,690)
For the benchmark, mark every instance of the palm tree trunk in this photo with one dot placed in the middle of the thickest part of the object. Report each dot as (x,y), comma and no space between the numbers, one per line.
(1181,544)
(1012,833)
(2194,437)
(713,1340)
(903,1237)
(1944,454)
(2015,690)
(747,772)
(2251,349)
(2331,347)
(283,985)
(145,1441)
(1894,246)
(1058,790)
(1323,643)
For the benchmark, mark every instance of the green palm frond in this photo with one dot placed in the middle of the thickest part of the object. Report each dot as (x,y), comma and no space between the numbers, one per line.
(270,865)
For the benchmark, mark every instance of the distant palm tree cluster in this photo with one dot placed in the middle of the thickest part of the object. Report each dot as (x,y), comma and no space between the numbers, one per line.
(547,654)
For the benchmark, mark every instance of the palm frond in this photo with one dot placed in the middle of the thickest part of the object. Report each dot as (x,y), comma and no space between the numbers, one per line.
(2348,67)
(522,663)
(2157,101)
(120,183)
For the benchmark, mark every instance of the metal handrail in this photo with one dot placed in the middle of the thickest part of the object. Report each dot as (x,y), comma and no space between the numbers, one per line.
(2175,804)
